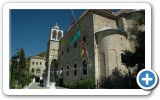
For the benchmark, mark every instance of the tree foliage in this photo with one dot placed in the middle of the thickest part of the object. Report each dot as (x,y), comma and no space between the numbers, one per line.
(138,36)
(118,81)
(19,71)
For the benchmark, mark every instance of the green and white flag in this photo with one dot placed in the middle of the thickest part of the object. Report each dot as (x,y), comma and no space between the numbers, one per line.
(75,37)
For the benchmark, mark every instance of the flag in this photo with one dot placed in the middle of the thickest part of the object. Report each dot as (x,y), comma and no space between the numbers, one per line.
(78,33)
(84,52)
(75,37)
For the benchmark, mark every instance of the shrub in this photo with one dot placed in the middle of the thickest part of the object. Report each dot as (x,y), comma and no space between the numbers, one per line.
(118,81)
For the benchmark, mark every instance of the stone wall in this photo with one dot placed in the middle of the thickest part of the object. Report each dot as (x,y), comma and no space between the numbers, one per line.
(73,56)
(102,23)
(52,54)
(110,45)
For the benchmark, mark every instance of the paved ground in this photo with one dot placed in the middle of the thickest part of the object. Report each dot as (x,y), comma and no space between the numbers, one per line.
(57,87)
(36,85)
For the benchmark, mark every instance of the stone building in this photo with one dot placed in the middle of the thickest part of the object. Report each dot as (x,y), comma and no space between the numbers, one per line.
(91,49)
(52,53)
(37,67)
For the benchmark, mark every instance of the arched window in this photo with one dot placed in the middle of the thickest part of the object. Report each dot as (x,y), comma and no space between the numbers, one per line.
(75,69)
(67,71)
(32,70)
(75,45)
(38,71)
(84,67)
(84,39)
(54,34)
(59,35)
(33,63)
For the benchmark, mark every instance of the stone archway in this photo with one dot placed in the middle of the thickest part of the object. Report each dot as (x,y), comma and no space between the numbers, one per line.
(53,70)
(54,35)
(59,35)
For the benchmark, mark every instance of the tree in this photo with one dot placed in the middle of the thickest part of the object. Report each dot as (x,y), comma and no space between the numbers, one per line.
(137,35)
(19,71)
(118,81)
(21,55)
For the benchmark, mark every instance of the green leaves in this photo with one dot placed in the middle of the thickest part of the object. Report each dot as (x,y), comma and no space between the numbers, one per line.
(138,36)
(19,72)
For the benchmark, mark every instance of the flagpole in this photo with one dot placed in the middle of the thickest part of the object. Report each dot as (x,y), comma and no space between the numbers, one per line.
(74,18)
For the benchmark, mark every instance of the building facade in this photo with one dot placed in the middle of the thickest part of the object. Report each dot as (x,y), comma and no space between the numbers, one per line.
(37,67)
(91,49)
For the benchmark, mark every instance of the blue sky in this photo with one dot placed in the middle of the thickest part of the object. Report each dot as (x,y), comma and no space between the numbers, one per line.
(29,29)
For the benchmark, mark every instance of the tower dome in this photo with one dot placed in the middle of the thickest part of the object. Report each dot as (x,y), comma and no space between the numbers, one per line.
(56,27)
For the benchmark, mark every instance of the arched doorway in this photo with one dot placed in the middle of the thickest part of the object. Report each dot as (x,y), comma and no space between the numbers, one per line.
(53,70)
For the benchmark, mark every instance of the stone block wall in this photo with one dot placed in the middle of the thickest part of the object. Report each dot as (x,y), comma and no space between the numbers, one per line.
(85,25)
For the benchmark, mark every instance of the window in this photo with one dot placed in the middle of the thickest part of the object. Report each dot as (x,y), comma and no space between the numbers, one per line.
(75,45)
(32,70)
(67,70)
(59,35)
(84,67)
(40,63)
(36,63)
(33,63)
(75,69)
(54,34)
(84,39)
(38,71)
(67,49)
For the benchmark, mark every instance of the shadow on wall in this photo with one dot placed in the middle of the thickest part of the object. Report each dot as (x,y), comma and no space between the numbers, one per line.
(119,81)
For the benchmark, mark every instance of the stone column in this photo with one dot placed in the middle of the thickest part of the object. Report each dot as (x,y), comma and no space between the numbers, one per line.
(48,75)
(57,34)
(62,33)
(107,72)
(51,35)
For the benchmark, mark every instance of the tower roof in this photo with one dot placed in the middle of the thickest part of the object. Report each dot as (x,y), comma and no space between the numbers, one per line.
(56,27)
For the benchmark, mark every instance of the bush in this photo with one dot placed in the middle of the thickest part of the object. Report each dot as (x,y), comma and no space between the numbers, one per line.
(118,81)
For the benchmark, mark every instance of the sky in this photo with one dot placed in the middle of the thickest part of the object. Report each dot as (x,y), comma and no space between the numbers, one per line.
(30,29)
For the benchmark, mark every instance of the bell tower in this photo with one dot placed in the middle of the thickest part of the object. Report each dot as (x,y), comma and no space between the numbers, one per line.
(52,54)
(56,34)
